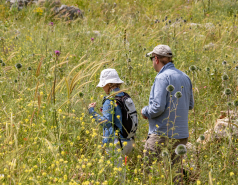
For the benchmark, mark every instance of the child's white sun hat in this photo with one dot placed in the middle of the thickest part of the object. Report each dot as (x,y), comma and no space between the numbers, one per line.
(109,76)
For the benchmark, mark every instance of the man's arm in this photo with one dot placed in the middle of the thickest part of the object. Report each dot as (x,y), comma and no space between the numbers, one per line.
(191,103)
(158,104)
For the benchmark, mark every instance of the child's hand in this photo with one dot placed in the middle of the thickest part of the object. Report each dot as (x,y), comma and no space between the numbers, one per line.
(91,105)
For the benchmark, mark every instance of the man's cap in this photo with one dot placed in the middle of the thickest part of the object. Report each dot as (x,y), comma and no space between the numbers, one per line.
(162,50)
(109,76)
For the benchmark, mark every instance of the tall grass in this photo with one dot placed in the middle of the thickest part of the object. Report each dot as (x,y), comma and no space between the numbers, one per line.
(33,150)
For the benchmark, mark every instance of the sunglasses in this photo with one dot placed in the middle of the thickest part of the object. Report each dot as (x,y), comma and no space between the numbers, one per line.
(151,58)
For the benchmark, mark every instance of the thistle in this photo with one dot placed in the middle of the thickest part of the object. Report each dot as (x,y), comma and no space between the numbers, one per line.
(225,77)
(235,103)
(192,68)
(170,88)
(207,69)
(180,151)
(202,137)
(164,153)
(18,65)
(57,52)
(178,94)
(227,91)
(224,63)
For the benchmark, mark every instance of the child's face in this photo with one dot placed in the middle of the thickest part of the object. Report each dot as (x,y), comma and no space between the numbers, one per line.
(106,89)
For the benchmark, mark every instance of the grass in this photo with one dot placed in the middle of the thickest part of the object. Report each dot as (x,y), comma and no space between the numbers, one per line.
(36,150)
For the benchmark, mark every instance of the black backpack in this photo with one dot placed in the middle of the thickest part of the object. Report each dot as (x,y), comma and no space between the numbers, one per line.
(129,115)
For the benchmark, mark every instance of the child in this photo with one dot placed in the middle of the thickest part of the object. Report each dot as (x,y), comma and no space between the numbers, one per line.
(111,121)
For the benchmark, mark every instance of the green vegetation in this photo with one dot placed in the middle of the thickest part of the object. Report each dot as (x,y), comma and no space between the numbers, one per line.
(47,140)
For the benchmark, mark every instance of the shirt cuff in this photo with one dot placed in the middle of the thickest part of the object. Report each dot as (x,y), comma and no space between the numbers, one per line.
(91,110)
(144,112)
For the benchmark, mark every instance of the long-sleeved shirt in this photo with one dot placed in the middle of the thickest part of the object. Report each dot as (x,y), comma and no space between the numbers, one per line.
(106,120)
(167,114)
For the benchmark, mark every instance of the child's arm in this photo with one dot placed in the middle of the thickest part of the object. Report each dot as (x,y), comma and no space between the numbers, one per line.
(106,119)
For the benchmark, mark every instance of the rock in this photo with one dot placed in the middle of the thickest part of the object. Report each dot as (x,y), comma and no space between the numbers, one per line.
(221,128)
(209,46)
(62,11)
(68,12)
(20,3)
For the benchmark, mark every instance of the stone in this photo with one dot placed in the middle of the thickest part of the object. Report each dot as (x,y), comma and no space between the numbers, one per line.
(61,11)
(221,128)
(20,3)
(68,12)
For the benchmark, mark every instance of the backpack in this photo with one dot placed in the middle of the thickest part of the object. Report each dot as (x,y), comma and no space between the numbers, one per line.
(129,115)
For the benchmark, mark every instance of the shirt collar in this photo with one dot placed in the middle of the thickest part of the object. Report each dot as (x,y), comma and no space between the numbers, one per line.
(116,89)
(166,66)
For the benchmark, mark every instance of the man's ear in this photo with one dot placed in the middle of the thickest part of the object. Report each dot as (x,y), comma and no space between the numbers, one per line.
(157,60)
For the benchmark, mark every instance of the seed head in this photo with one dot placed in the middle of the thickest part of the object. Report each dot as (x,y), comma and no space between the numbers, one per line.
(170,88)
(178,94)
(3,64)
(181,149)
(236,68)
(1,61)
(57,52)
(235,103)
(15,81)
(225,77)
(224,62)
(128,60)
(29,68)
(164,153)
(229,104)
(18,65)
(81,94)
(207,69)
(202,137)
(227,91)
(192,68)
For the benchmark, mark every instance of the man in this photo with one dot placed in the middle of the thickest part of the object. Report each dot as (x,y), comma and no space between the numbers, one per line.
(170,99)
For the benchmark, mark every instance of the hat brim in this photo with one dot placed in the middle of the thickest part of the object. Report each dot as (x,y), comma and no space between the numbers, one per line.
(115,81)
(150,53)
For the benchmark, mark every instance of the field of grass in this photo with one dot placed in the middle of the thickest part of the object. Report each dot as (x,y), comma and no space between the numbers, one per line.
(46,133)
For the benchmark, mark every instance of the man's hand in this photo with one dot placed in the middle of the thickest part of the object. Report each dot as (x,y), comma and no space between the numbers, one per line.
(91,105)
(143,115)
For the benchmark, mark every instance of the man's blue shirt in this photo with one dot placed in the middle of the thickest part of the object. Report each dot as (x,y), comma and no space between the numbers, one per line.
(165,112)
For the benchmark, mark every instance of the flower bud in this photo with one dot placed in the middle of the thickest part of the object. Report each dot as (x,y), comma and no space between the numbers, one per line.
(227,91)
(181,149)
(170,88)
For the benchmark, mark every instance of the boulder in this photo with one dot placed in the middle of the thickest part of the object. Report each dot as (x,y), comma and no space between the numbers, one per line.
(68,12)
(20,3)
(221,128)
(61,11)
